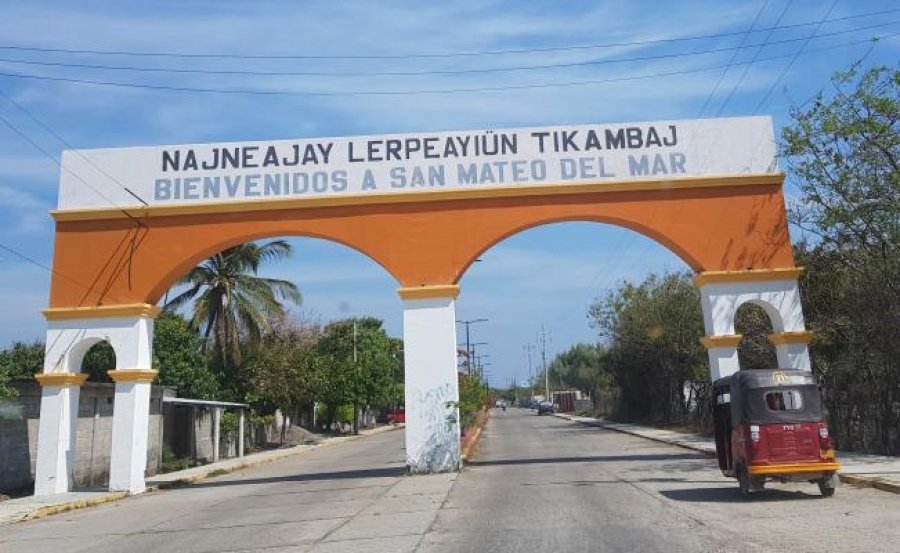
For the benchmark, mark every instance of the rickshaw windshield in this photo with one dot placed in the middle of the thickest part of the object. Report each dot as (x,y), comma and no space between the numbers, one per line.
(782,404)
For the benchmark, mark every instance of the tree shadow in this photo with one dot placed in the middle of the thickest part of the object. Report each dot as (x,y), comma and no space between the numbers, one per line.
(387,472)
(587,459)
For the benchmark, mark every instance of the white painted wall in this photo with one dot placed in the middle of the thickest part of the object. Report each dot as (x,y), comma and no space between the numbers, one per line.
(432,427)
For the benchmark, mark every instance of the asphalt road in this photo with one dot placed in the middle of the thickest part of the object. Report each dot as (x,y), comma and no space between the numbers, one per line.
(544,484)
(536,484)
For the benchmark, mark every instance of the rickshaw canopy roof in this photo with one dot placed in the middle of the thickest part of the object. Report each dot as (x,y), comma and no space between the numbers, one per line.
(748,391)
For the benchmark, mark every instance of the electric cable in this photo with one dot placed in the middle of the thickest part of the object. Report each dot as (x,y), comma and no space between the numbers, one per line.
(752,60)
(733,58)
(794,59)
(413,92)
(424,55)
(567,65)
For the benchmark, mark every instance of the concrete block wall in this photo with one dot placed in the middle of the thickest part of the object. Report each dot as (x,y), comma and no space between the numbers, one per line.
(19,428)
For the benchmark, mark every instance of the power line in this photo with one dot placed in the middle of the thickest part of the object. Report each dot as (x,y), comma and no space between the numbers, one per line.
(62,167)
(50,270)
(793,59)
(589,63)
(310,93)
(752,60)
(47,128)
(191,55)
(733,58)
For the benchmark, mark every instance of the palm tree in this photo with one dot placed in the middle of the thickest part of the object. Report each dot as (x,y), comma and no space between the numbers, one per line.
(230,300)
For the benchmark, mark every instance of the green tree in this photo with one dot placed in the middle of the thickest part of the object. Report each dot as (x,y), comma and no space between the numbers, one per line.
(284,371)
(361,365)
(20,360)
(843,151)
(178,357)
(230,301)
(653,332)
(583,367)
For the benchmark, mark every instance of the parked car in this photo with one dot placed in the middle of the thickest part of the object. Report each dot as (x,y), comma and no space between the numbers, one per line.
(397,416)
(545,407)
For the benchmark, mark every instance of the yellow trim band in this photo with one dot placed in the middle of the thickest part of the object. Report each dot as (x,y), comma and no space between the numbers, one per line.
(798,337)
(612,185)
(101,312)
(133,375)
(793,468)
(428,292)
(751,275)
(723,341)
(64,380)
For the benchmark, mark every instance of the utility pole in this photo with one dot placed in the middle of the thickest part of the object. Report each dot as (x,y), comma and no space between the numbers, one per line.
(356,370)
(469,342)
(527,348)
(544,363)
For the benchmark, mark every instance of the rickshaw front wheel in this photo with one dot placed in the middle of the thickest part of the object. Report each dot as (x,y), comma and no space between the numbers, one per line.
(827,485)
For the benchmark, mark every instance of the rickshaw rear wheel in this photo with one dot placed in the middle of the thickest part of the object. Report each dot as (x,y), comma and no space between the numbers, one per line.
(827,485)
(743,482)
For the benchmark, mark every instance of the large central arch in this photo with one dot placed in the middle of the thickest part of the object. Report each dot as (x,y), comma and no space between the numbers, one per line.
(112,265)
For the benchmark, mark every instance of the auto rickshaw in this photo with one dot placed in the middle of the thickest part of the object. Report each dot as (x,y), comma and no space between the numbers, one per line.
(769,425)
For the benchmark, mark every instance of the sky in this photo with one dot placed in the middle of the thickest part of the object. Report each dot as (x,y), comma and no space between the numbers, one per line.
(545,277)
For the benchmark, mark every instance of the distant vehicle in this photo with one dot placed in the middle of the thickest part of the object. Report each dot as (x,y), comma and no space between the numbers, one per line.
(397,416)
(544,407)
(769,425)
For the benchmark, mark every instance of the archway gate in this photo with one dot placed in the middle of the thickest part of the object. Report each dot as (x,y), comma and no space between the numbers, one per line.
(424,206)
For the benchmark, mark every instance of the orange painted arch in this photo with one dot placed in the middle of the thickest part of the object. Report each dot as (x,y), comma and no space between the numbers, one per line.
(101,257)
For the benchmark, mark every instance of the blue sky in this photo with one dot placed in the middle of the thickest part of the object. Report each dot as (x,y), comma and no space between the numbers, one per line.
(544,276)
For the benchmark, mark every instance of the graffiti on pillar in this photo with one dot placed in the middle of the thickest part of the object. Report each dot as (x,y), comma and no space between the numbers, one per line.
(440,421)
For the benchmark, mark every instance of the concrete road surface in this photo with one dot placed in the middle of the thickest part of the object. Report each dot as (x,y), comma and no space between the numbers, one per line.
(536,484)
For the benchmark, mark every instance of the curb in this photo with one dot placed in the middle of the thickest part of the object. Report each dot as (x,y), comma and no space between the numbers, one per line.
(863,482)
(71,506)
(49,510)
(851,479)
(464,455)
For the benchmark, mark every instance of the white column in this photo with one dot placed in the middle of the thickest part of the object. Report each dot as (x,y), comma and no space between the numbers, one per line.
(240,448)
(130,429)
(131,411)
(217,433)
(792,349)
(56,432)
(432,386)
(723,355)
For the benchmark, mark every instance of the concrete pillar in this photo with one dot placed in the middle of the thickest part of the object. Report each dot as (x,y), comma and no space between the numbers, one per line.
(217,432)
(776,291)
(130,430)
(432,386)
(57,431)
(792,349)
(723,355)
(240,444)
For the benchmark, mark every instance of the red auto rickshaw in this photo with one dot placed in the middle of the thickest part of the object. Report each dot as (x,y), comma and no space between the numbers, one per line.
(769,425)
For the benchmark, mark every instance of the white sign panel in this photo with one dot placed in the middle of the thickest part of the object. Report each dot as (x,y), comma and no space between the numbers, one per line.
(415,162)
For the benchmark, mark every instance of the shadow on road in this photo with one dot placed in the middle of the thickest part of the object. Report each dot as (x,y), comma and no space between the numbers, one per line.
(390,472)
(589,459)
(731,494)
